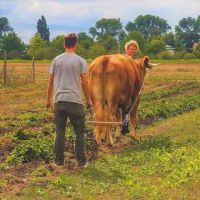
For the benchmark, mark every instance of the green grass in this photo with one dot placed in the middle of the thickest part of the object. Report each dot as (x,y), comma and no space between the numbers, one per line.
(180,61)
(163,165)
(25,61)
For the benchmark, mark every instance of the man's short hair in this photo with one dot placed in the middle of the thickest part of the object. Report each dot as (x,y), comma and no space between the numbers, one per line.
(130,43)
(70,40)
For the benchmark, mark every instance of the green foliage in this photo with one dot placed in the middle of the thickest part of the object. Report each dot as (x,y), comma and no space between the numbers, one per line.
(179,54)
(189,56)
(36,46)
(175,90)
(169,39)
(33,149)
(197,51)
(43,29)
(164,108)
(12,43)
(104,26)
(57,43)
(4,26)
(134,171)
(165,55)
(155,46)
(97,49)
(84,44)
(187,31)
(148,25)
(110,43)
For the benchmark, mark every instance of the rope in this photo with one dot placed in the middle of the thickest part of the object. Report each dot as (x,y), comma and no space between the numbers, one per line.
(121,123)
(138,94)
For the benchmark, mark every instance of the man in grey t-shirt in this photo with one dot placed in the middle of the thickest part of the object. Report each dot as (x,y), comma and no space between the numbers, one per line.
(68,71)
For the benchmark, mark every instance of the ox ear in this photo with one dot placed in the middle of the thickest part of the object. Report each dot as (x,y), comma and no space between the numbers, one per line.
(145,62)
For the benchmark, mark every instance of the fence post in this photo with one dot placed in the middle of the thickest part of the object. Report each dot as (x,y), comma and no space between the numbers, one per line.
(5,68)
(33,68)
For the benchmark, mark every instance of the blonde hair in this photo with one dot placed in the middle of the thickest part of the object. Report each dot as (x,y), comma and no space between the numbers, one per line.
(130,43)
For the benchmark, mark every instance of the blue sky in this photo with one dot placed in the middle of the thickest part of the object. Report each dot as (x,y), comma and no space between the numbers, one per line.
(65,16)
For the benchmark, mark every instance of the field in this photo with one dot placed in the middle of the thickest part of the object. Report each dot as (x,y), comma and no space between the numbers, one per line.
(164,162)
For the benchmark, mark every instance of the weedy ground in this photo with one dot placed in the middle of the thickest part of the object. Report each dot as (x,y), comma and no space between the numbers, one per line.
(164,162)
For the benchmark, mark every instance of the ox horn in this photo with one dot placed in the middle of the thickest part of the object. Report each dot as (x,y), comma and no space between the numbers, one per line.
(151,65)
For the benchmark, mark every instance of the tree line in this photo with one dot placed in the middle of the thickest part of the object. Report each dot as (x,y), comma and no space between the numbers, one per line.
(108,36)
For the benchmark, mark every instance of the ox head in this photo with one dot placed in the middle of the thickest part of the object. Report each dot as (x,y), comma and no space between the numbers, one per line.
(147,64)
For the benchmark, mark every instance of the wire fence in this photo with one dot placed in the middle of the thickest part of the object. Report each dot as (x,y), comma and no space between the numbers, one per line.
(18,72)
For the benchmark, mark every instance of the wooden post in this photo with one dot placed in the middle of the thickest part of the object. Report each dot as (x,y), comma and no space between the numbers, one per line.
(5,68)
(33,69)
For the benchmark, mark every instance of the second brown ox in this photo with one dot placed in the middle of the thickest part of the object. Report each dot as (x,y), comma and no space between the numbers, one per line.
(115,81)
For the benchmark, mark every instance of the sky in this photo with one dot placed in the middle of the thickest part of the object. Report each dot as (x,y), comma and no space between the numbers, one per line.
(65,16)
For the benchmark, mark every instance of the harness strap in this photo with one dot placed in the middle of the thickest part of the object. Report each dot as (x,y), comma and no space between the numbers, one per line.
(140,91)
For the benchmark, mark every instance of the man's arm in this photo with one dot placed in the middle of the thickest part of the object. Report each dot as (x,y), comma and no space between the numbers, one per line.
(86,90)
(50,91)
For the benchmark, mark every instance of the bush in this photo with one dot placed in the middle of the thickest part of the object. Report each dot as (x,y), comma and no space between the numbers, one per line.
(33,149)
(189,56)
(165,55)
(155,46)
(197,52)
(179,54)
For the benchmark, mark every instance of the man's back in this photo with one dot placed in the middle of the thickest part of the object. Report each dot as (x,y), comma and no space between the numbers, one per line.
(67,69)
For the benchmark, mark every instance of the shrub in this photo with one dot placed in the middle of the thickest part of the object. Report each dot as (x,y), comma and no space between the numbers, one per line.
(189,56)
(179,54)
(165,55)
(33,149)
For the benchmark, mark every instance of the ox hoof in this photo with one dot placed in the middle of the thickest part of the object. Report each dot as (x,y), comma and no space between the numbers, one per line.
(134,141)
(110,145)
(98,143)
(118,140)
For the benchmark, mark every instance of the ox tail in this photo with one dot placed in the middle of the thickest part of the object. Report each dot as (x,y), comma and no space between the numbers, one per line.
(104,65)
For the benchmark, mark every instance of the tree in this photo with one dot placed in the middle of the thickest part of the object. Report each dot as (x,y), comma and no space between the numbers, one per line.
(43,29)
(155,46)
(93,32)
(169,39)
(4,26)
(112,27)
(97,49)
(11,42)
(58,43)
(110,43)
(84,40)
(148,25)
(35,45)
(188,31)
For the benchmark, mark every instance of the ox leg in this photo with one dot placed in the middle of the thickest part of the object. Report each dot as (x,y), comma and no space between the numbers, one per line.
(99,115)
(118,128)
(110,118)
(109,137)
(133,120)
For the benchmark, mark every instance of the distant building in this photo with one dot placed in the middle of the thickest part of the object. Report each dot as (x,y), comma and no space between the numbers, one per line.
(170,49)
(195,45)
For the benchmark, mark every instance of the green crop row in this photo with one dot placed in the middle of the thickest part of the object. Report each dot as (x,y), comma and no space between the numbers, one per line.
(165,108)
(167,92)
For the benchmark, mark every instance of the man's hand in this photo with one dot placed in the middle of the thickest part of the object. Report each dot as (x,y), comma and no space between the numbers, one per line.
(48,104)
(89,104)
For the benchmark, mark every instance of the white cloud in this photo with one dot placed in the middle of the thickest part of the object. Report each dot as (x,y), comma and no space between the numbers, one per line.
(64,15)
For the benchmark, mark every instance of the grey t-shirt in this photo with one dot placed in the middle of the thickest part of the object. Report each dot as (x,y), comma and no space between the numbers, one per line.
(67,69)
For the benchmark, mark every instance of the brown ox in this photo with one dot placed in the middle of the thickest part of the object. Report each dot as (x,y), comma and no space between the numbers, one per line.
(115,81)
